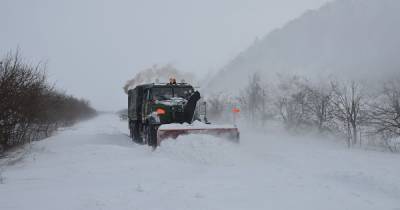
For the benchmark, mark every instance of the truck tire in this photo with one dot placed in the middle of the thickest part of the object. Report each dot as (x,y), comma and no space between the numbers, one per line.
(134,130)
(131,132)
(151,135)
(136,133)
(131,124)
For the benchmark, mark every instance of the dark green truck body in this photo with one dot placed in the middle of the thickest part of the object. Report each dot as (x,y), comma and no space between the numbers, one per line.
(177,101)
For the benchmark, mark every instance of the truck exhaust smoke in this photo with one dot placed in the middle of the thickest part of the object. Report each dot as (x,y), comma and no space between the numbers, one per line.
(157,74)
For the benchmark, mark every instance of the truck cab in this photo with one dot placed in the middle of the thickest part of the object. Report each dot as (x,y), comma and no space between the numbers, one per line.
(152,105)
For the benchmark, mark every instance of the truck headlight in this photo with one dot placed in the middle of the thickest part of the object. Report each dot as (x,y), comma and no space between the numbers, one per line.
(160,111)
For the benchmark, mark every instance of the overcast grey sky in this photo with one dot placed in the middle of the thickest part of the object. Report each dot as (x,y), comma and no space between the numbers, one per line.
(92,47)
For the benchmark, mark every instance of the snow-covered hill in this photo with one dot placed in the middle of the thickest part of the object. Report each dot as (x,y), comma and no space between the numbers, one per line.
(94,165)
(350,39)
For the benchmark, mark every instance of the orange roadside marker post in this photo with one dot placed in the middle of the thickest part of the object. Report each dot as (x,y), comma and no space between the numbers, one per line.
(235,112)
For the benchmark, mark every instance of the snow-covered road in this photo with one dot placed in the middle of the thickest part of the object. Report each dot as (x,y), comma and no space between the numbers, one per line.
(94,165)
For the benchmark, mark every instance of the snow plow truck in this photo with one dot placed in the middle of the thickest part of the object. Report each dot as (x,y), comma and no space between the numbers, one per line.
(159,111)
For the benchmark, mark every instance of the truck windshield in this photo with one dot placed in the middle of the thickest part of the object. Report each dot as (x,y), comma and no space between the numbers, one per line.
(162,93)
(182,92)
(166,93)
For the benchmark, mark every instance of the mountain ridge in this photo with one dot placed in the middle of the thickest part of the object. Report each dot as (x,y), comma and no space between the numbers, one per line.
(350,39)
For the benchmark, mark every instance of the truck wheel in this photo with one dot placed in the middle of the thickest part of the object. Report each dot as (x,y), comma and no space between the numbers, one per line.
(151,135)
(136,133)
(131,130)
(130,133)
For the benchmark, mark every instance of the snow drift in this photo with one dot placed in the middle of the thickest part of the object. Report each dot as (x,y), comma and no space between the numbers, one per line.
(94,165)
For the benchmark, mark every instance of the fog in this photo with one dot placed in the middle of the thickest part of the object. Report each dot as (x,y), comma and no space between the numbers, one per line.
(347,40)
(93,47)
(300,101)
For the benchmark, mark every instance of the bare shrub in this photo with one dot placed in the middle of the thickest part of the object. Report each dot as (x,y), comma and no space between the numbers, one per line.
(30,108)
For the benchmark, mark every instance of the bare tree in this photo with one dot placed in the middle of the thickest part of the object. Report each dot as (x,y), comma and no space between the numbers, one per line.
(217,104)
(320,105)
(349,103)
(255,100)
(292,102)
(254,95)
(385,114)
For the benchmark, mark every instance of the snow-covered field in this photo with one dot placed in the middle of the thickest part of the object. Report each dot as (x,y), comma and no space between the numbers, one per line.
(94,165)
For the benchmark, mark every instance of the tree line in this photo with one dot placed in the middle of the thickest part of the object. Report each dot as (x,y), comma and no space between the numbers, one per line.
(350,110)
(31,108)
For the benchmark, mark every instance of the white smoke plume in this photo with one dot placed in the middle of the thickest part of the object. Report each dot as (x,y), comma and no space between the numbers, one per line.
(160,74)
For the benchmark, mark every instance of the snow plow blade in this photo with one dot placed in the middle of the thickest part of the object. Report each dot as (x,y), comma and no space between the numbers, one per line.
(172,132)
